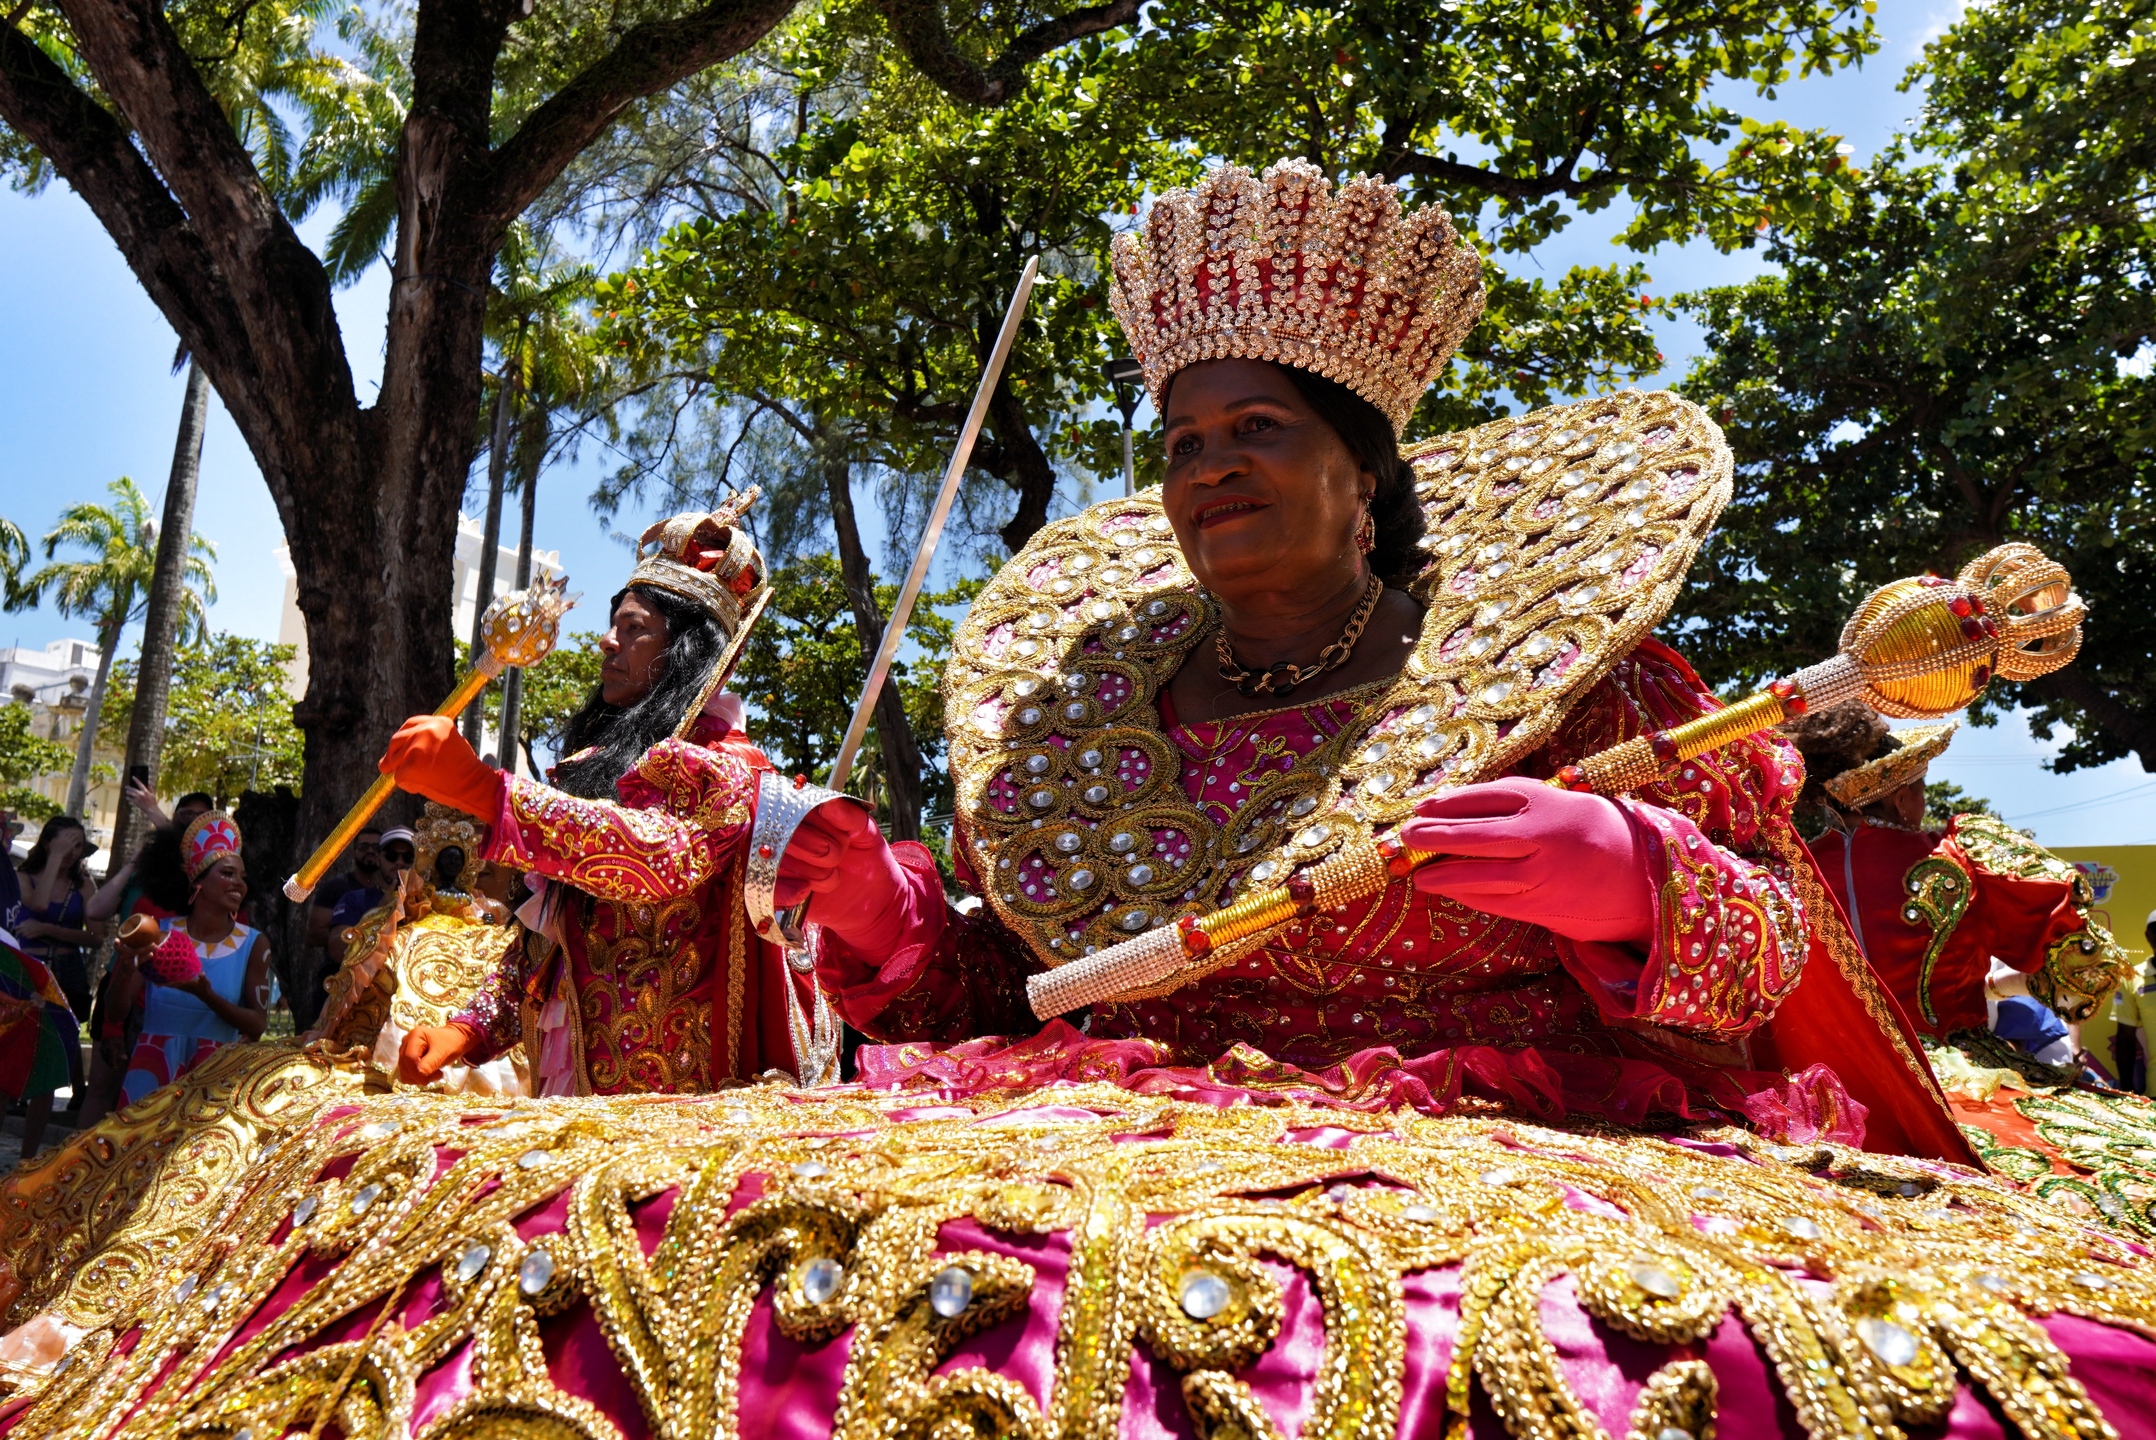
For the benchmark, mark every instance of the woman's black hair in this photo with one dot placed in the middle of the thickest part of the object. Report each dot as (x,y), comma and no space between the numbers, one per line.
(1397,557)
(163,874)
(618,736)
(34,862)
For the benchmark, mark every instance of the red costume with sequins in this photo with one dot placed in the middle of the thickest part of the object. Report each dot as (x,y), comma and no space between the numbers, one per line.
(1932,908)
(1472,1002)
(660,983)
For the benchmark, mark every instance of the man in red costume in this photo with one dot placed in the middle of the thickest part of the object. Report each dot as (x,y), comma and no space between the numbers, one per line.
(639,970)
(1932,908)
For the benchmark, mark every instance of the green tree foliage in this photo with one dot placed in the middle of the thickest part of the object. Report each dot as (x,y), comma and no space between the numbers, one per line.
(1950,364)
(554,690)
(802,670)
(14,555)
(228,721)
(855,295)
(1943,800)
(111,587)
(1516,115)
(871,227)
(25,757)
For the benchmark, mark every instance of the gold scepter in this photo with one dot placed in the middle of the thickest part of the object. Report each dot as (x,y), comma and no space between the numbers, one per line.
(1916,648)
(518,629)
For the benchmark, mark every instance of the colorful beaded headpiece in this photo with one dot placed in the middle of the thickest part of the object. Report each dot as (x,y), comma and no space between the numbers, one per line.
(706,558)
(1283,269)
(1914,749)
(209,838)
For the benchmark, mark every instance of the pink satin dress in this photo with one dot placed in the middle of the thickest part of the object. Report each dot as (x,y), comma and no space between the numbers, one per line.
(1413,997)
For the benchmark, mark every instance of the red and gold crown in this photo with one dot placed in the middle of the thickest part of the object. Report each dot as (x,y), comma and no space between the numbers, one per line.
(1281,268)
(707,558)
(209,837)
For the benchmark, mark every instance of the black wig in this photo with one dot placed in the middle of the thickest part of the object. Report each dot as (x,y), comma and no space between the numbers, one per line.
(618,736)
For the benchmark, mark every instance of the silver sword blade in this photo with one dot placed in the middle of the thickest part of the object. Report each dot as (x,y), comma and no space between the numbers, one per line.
(894,629)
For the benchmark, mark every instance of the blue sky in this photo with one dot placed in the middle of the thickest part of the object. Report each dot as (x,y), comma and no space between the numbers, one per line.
(86,395)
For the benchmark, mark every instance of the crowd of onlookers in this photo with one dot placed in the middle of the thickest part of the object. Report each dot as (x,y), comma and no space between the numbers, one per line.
(57,914)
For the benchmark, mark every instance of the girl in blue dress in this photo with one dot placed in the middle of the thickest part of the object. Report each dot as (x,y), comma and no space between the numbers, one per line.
(227,999)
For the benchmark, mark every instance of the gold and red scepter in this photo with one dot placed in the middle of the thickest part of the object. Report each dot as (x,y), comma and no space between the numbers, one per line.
(518,629)
(1916,648)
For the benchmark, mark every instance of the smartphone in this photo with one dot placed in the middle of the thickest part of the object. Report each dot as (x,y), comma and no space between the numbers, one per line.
(140,774)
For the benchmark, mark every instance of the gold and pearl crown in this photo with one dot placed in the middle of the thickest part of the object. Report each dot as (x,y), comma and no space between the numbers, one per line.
(1914,749)
(705,557)
(1282,268)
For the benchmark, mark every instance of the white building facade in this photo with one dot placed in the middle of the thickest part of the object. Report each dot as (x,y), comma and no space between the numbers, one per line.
(55,684)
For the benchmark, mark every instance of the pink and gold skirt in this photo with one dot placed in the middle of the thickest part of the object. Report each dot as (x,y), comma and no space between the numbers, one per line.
(1075,1260)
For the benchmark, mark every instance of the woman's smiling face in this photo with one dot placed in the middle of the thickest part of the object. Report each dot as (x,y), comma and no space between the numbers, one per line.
(1263,493)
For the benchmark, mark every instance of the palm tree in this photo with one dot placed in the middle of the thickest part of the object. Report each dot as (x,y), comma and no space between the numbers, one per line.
(546,361)
(111,587)
(14,554)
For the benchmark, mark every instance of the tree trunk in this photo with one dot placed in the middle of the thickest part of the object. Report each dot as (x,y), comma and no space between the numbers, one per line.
(490,537)
(108,641)
(161,620)
(901,756)
(531,452)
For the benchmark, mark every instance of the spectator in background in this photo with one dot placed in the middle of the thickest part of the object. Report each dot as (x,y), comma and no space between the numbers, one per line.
(398,851)
(55,891)
(153,883)
(322,957)
(10,884)
(226,996)
(365,873)
(123,890)
(2134,1010)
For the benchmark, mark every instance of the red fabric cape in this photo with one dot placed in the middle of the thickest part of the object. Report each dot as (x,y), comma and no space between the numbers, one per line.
(1840,1016)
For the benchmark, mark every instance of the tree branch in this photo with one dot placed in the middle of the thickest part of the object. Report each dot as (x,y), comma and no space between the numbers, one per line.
(2130,727)
(645,60)
(91,151)
(152,80)
(921,30)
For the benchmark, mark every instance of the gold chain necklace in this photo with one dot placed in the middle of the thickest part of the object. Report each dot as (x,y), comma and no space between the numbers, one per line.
(1281,677)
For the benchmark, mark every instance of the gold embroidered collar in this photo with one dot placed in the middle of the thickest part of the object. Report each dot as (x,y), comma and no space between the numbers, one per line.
(1557,541)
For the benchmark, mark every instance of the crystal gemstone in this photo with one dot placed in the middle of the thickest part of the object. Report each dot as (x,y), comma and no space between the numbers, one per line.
(951,1291)
(1202,1294)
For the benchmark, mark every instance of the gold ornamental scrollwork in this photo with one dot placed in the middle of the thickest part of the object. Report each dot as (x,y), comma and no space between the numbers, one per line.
(1556,541)
(1875,1286)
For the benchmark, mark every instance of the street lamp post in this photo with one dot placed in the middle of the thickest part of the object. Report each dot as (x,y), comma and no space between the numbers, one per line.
(1125,374)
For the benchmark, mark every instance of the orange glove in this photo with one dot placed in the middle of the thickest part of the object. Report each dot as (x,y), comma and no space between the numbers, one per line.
(430,758)
(431,1049)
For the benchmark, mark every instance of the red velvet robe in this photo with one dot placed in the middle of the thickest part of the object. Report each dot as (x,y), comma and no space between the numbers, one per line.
(665,985)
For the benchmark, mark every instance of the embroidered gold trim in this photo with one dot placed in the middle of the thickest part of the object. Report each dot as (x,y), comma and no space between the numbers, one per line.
(1938,892)
(1874,1284)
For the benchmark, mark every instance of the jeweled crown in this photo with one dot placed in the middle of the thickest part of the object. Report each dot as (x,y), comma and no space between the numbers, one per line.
(1914,749)
(707,558)
(1281,268)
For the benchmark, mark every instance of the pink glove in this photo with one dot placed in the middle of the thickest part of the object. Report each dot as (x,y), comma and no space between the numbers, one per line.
(840,861)
(1574,864)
